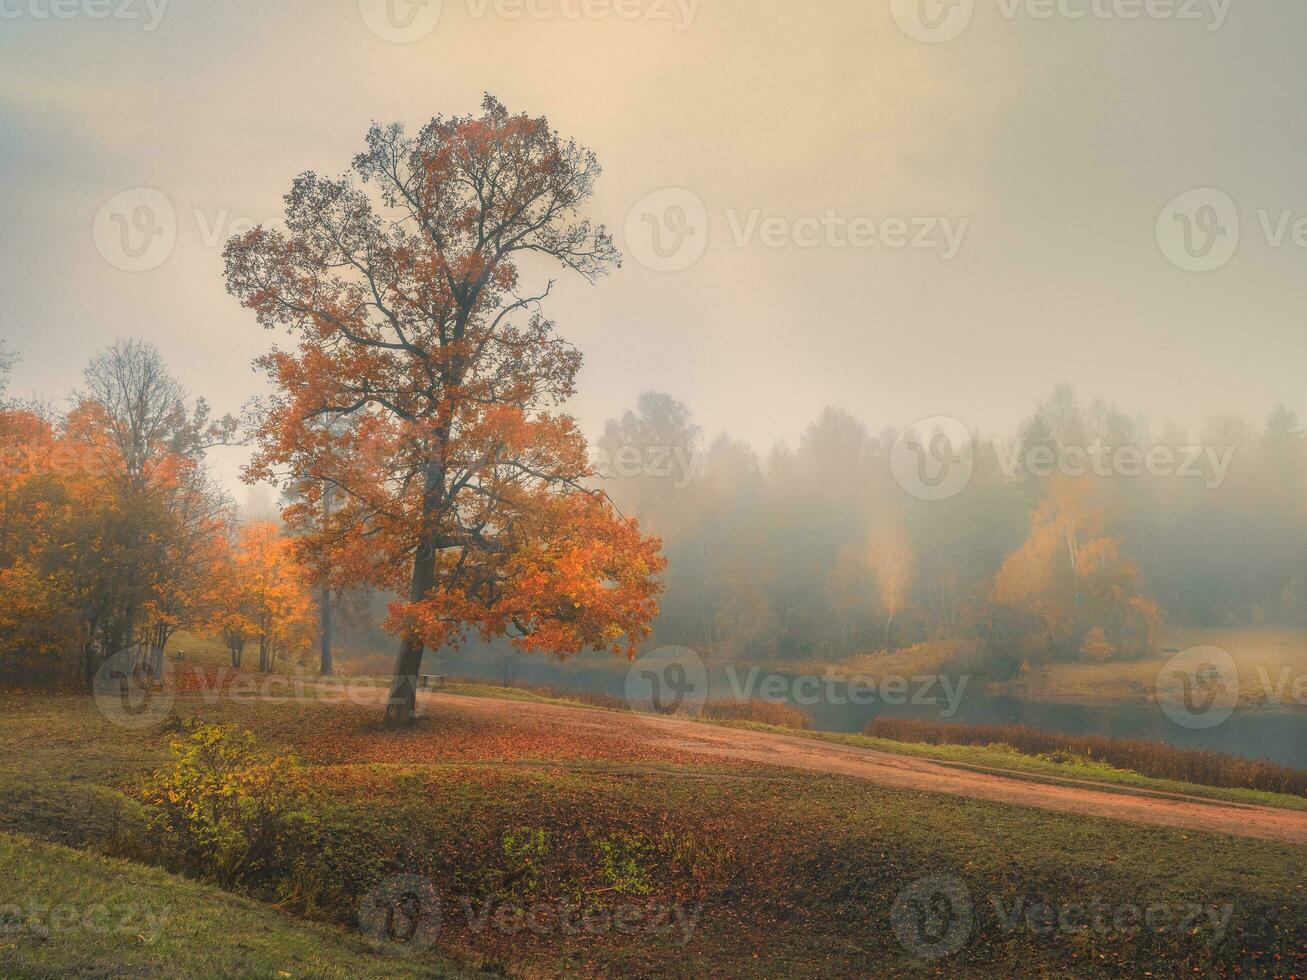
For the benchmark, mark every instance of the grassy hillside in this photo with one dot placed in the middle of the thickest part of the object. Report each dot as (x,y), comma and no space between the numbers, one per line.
(68,913)
(552,851)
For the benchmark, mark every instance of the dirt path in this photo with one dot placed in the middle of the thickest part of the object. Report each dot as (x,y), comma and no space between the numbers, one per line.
(906,772)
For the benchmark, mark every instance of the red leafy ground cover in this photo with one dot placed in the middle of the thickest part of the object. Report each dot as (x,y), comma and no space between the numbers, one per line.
(453,733)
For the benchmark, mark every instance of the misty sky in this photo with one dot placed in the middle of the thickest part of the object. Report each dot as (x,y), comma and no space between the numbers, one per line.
(1049,146)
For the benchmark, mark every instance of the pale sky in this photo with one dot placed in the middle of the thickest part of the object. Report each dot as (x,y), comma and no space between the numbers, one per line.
(1050,146)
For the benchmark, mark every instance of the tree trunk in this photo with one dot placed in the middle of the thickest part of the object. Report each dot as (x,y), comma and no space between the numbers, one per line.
(90,663)
(324,666)
(401,705)
(324,604)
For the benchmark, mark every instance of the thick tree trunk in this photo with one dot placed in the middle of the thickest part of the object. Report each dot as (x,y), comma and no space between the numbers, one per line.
(401,705)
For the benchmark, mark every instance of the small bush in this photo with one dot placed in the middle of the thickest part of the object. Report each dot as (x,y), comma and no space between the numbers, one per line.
(226,810)
(624,863)
(763,712)
(1157,759)
(525,851)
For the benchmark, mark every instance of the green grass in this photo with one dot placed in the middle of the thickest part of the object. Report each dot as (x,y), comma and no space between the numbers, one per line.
(67,913)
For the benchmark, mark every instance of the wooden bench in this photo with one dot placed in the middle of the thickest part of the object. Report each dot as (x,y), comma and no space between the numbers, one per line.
(427,682)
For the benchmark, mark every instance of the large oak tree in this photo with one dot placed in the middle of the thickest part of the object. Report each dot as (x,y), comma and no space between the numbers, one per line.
(456,480)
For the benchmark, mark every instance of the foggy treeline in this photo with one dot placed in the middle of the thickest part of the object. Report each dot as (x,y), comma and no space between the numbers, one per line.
(818,552)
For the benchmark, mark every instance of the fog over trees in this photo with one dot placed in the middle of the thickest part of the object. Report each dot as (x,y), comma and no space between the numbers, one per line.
(1060,545)
(816,551)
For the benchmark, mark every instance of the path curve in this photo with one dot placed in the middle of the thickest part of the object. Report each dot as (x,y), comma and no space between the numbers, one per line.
(907,772)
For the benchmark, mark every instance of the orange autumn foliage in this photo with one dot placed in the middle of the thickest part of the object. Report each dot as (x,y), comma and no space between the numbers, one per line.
(263,594)
(424,385)
(1085,598)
